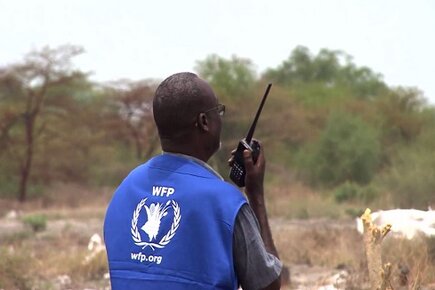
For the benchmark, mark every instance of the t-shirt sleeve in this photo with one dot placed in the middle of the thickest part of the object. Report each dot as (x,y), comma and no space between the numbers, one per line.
(255,267)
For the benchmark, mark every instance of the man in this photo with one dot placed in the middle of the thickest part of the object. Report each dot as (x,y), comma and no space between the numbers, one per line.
(173,223)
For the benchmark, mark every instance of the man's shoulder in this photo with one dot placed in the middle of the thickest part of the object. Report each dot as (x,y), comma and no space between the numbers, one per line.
(230,188)
(226,193)
(180,164)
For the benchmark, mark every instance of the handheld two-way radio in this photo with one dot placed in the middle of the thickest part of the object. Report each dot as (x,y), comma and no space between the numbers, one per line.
(238,172)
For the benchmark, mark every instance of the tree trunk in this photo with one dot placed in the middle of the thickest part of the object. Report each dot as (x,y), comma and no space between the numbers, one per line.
(27,165)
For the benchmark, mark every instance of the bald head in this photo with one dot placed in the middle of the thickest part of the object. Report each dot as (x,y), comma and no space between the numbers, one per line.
(177,102)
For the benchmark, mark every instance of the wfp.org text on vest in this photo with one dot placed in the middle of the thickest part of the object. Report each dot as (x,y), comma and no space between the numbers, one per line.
(141,257)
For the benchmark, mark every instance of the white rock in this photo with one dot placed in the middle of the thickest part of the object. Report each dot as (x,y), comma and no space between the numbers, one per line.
(12,215)
(404,222)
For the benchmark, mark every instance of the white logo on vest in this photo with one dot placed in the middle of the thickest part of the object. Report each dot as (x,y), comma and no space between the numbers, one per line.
(155,212)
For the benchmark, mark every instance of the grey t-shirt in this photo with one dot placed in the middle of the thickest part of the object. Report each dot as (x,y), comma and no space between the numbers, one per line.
(255,267)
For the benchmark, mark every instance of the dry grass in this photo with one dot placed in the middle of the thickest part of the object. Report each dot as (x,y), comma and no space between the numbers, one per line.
(331,244)
(42,257)
(14,272)
(296,201)
(68,199)
(415,255)
(41,260)
(300,206)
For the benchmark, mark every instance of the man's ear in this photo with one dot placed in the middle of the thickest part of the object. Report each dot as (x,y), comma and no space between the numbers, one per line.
(202,122)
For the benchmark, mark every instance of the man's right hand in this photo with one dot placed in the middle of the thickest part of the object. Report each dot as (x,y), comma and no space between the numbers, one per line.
(254,173)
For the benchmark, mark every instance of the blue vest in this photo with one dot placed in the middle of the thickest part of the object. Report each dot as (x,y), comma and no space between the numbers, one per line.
(170,225)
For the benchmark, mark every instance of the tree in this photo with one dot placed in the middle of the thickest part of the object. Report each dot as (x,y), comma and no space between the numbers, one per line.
(133,108)
(297,68)
(24,90)
(330,68)
(233,77)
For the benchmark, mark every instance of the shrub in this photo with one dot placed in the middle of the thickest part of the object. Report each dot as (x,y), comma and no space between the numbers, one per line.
(411,177)
(349,191)
(36,222)
(345,192)
(347,150)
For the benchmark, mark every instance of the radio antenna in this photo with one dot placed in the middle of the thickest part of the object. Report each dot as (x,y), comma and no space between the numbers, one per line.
(254,124)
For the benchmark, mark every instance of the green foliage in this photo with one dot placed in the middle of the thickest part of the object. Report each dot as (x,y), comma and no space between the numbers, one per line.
(346,192)
(8,178)
(347,150)
(233,77)
(401,112)
(302,66)
(354,212)
(37,222)
(316,95)
(411,176)
(349,191)
(329,68)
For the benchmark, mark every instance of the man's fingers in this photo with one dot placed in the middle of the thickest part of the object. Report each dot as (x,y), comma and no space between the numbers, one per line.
(247,156)
(231,160)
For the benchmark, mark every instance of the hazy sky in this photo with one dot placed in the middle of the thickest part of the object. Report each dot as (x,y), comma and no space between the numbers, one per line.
(152,39)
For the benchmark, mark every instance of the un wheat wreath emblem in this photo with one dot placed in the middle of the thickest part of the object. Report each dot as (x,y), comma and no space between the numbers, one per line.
(136,236)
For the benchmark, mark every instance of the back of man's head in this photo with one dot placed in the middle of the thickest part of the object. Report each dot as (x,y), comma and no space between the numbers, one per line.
(177,101)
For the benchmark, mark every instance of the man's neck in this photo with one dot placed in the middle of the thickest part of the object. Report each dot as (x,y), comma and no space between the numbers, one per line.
(184,148)
(196,160)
